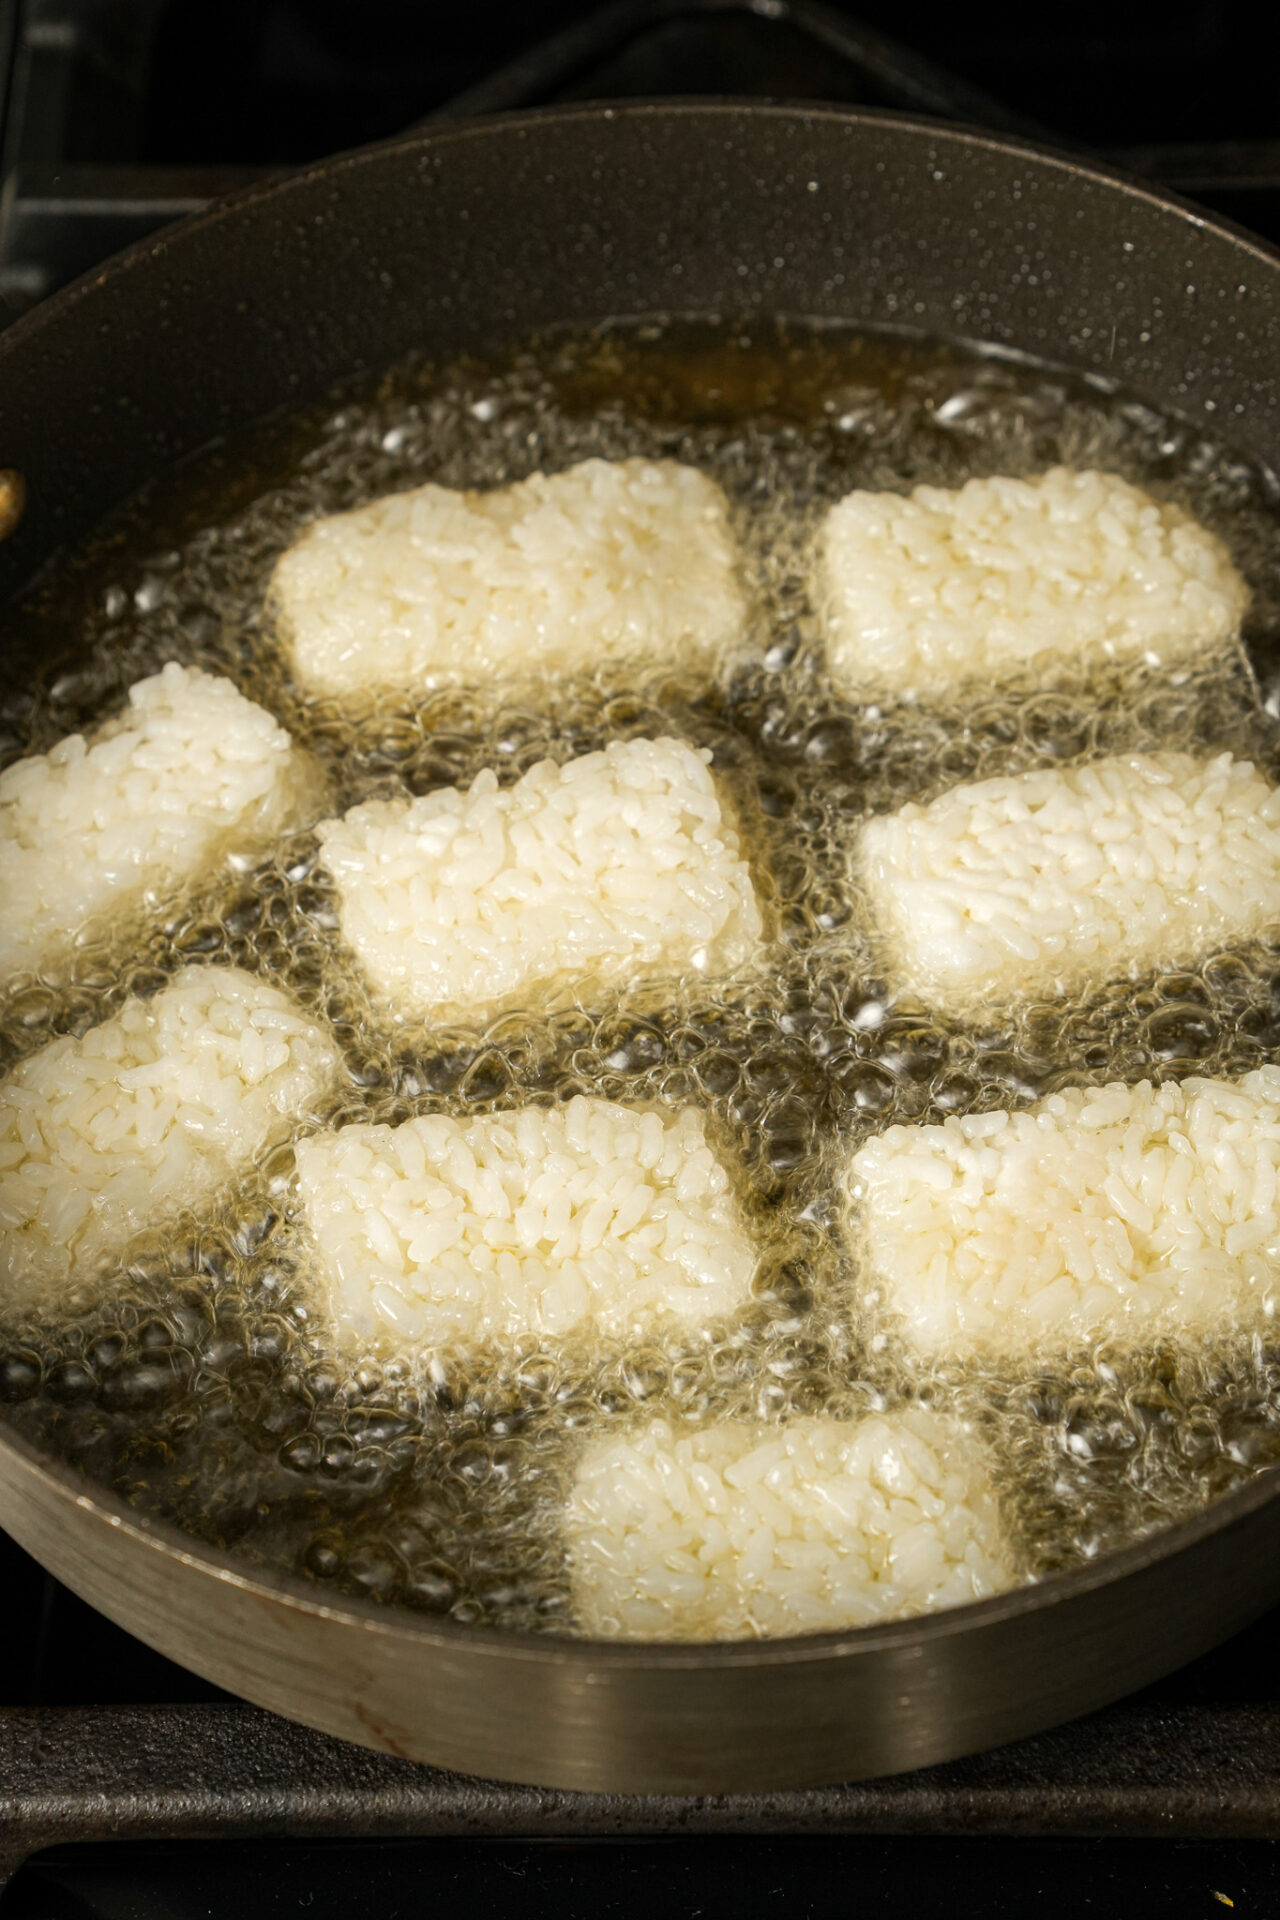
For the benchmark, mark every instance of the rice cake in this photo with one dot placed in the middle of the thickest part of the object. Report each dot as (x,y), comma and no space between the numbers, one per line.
(1054,575)
(616,867)
(1117,1213)
(735,1530)
(439,1231)
(1045,882)
(152,1112)
(608,561)
(189,774)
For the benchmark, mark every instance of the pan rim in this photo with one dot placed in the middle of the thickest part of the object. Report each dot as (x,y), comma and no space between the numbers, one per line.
(507,125)
(281,1587)
(284,1588)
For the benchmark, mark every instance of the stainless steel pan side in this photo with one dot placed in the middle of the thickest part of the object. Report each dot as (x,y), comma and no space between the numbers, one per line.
(635,1719)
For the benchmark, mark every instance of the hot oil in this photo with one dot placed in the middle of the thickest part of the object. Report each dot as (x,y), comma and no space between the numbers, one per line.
(202,1384)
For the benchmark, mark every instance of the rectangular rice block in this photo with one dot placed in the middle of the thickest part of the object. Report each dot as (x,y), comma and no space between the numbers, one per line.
(926,591)
(617,866)
(1120,1213)
(737,1530)
(1044,882)
(189,773)
(631,559)
(440,1231)
(152,1112)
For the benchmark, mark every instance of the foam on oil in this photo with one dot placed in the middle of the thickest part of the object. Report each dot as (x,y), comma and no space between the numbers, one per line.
(201,1384)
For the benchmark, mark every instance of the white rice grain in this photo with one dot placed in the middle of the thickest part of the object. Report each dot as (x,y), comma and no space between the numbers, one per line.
(735,1531)
(632,560)
(617,866)
(1044,882)
(152,1112)
(1115,1213)
(439,1232)
(189,774)
(924,592)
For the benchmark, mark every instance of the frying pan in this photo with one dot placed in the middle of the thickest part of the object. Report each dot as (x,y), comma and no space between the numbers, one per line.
(460,238)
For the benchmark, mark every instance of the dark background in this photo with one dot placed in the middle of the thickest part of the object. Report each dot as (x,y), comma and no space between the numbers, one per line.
(308,75)
(279,81)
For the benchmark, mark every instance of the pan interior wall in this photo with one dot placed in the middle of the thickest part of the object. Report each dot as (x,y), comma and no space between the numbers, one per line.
(200,1384)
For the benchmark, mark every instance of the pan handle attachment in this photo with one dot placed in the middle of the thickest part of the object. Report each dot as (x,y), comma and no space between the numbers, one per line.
(13,499)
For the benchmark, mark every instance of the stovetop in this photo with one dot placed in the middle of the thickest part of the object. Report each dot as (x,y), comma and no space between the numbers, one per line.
(127,1777)
(122,114)
(144,1791)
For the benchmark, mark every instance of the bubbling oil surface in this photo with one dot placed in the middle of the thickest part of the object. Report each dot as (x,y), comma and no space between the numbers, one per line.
(200,1383)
